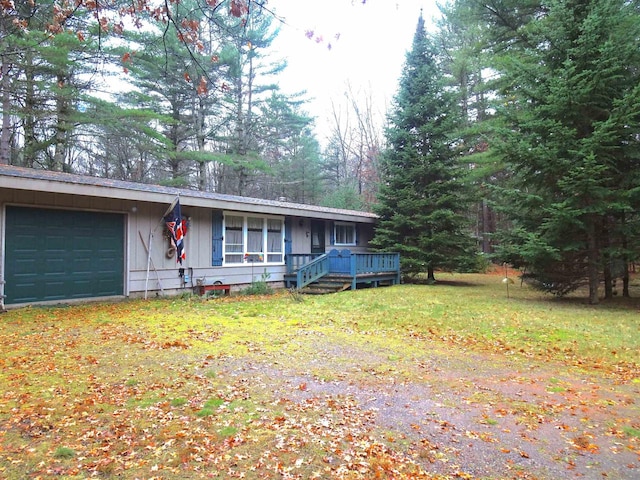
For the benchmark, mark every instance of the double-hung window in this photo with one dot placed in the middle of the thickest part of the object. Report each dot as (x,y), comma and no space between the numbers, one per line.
(275,240)
(345,234)
(233,239)
(253,239)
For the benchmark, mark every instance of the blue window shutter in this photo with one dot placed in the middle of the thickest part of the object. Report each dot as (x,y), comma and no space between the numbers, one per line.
(332,233)
(288,239)
(218,236)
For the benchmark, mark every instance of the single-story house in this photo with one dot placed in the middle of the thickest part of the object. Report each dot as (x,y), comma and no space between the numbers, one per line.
(67,237)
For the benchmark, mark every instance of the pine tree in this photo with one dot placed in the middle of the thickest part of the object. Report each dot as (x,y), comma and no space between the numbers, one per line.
(247,75)
(570,138)
(168,82)
(422,196)
(286,143)
(462,39)
(46,79)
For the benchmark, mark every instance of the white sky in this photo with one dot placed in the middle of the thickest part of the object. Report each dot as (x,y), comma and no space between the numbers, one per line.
(374,38)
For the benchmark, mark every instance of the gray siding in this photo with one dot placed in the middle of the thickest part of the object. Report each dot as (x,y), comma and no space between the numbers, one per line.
(143,217)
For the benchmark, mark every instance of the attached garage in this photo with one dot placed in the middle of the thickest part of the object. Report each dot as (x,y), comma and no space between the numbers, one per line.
(55,254)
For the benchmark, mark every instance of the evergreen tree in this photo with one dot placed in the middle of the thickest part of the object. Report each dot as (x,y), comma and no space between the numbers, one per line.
(167,82)
(45,76)
(247,71)
(569,135)
(290,149)
(422,195)
(124,143)
(462,39)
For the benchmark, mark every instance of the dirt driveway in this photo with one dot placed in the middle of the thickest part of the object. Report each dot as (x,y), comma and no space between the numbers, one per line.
(470,415)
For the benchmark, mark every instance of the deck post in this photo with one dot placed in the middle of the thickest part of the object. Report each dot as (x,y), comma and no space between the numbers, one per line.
(353,271)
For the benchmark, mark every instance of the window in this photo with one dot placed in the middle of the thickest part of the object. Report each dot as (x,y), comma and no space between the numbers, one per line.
(233,239)
(274,240)
(345,233)
(253,239)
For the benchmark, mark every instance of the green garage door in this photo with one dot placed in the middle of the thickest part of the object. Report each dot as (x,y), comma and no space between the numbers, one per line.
(62,254)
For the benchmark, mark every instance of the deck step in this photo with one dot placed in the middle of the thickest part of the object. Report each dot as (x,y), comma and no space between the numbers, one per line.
(323,287)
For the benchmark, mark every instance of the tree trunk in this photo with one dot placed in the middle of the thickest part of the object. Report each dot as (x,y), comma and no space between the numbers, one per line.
(200,139)
(31,148)
(62,124)
(608,280)
(593,260)
(625,281)
(625,246)
(608,262)
(5,145)
(241,148)
(431,278)
(486,241)
(174,136)
(481,101)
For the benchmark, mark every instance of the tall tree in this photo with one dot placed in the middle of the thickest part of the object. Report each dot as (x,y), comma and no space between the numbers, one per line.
(123,143)
(422,194)
(289,148)
(248,71)
(462,39)
(7,63)
(46,77)
(175,72)
(571,77)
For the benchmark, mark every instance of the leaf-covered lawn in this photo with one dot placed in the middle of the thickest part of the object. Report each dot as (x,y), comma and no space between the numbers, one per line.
(448,381)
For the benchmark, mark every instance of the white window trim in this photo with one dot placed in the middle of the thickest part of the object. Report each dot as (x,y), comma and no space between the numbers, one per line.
(245,233)
(335,234)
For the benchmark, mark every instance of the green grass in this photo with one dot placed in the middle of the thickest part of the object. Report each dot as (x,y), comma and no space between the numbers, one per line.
(185,384)
(64,452)
(632,432)
(178,402)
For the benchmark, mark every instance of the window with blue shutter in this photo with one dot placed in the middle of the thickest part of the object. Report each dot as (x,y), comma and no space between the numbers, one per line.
(238,239)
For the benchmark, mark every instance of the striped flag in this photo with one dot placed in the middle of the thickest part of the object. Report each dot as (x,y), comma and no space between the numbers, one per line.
(177,229)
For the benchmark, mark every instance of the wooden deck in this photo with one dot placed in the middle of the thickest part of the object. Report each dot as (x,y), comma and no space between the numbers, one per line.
(341,269)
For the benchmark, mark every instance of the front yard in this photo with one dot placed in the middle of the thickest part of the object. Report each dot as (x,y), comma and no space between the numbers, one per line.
(455,380)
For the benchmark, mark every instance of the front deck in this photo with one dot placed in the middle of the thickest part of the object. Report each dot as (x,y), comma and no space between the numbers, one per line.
(342,268)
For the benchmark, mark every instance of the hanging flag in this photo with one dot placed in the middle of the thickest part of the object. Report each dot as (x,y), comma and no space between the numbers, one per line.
(177,229)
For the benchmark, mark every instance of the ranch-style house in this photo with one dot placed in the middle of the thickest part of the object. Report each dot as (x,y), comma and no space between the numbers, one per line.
(70,237)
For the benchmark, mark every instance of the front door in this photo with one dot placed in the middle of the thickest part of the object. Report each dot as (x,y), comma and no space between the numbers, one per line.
(317,236)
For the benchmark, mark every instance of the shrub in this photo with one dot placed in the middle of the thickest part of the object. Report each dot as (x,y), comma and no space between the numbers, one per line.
(261,287)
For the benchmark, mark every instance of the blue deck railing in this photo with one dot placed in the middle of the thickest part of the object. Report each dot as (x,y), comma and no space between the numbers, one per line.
(310,267)
(375,263)
(312,271)
(295,261)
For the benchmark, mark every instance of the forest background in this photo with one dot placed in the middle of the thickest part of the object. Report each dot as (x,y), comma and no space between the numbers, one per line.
(541,102)
(188,97)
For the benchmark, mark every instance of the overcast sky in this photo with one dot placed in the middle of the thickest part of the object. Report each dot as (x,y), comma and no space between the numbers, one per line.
(368,46)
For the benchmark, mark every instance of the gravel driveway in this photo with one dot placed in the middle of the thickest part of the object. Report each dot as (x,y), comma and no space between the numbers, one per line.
(472,415)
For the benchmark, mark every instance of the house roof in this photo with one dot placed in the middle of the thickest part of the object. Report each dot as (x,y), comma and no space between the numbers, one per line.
(19,178)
